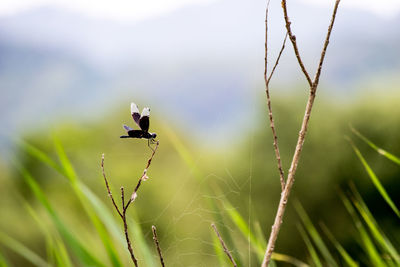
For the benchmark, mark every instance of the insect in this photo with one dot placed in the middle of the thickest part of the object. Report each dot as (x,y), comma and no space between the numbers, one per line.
(143,121)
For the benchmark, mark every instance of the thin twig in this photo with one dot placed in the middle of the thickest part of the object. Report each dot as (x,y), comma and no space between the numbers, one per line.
(321,60)
(122,196)
(128,241)
(266,80)
(122,215)
(154,230)
(300,141)
(227,252)
(278,58)
(133,197)
(108,187)
(142,178)
(292,38)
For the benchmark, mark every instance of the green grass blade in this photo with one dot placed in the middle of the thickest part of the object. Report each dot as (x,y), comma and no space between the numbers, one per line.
(61,254)
(346,256)
(57,248)
(109,220)
(243,227)
(313,253)
(315,236)
(22,250)
(375,180)
(81,252)
(101,230)
(67,170)
(381,151)
(373,226)
(288,259)
(41,156)
(365,241)
(258,243)
(102,211)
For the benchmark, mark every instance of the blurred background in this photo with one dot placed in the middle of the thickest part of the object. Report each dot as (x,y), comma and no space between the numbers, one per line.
(69,70)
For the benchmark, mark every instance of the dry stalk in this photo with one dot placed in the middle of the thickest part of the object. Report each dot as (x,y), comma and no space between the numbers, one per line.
(267,79)
(154,230)
(227,252)
(300,141)
(125,207)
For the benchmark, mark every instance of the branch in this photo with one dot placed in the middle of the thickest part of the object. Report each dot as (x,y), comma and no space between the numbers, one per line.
(154,230)
(292,38)
(328,35)
(278,58)
(128,241)
(144,177)
(133,197)
(300,141)
(266,80)
(223,245)
(108,187)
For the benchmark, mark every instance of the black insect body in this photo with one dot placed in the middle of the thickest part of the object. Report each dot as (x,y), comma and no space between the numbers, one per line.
(143,121)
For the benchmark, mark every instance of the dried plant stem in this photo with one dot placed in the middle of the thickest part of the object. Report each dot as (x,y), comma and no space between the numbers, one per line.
(267,80)
(227,252)
(277,59)
(154,230)
(108,187)
(142,178)
(125,207)
(292,38)
(128,241)
(300,141)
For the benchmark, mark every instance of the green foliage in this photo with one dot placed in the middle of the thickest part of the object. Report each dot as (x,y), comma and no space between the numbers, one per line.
(377,247)
(375,180)
(22,250)
(66,209)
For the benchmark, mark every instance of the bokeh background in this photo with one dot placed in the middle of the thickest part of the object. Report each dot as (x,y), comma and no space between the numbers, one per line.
(69,70)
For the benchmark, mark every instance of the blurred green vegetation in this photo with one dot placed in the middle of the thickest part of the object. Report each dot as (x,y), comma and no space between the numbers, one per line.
(55,206)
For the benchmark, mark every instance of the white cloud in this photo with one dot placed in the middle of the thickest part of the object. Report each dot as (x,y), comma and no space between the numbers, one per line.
(384,8)
(121,10)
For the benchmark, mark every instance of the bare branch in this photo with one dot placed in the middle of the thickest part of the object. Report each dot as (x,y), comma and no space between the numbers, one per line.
(300,141)
(328,35)
(266,80)
(278,58)
(108,187)
(154,230)
(128,241)
(223,245)
(125,207)
(122,215)
(292,38)
(122,196)
(142,178)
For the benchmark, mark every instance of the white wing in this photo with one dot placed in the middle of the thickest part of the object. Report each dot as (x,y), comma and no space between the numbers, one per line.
(134,108)
(135,113)
(145,112)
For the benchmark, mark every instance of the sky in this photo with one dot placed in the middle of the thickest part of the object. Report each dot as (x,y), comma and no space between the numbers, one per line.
(136,10)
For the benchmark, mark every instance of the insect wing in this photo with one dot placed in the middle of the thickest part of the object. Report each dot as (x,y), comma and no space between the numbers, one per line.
(135,113)
(127,128)
(144,121)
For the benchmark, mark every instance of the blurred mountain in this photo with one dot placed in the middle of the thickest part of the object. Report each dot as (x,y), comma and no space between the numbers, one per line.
(200,63)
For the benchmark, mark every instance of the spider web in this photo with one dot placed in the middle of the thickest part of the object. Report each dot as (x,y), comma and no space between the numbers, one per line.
(186,237)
